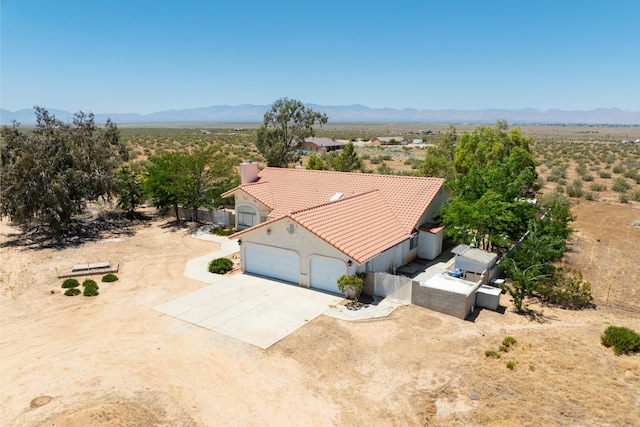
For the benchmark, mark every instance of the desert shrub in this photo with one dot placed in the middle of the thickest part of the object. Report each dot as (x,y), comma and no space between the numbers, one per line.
(70,283)
(72,292)
(109,277)
(598,187)
(384,169)
(635,196)
(507,343)
(636,223)
(617,169)
(620,185)
(623,198)
(220,265)
(604,174)
(90,288)
(622,339)
(574,191)
(567,289)
(590,195)
(581,169)
(511,365)
(587,177)
(492,353)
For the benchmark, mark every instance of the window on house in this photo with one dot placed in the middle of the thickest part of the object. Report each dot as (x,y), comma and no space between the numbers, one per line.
(413,242)
(246,216)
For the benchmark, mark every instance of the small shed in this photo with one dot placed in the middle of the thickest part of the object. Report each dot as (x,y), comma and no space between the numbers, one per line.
(488,297)
(473,261)
(446,294)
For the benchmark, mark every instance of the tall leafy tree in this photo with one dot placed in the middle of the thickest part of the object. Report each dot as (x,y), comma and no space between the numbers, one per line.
(130,188)
(207,174)
(164,182)
(285,124)
(49,174)
(191,179)
(347,160)
(494,173)
(438,160)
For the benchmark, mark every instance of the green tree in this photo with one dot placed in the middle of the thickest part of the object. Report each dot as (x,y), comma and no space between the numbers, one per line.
(164,183)
(207,174)
(490,146)
(315,162)
(523,281)
(347,160)
(438,161)
(130,189)
(285,125)
(50,173)
(494,174)
(193,180)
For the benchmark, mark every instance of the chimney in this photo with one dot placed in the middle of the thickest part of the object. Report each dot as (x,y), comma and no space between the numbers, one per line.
(248,172)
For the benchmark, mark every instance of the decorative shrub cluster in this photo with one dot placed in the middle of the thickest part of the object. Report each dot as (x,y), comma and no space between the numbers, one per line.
(228,231)
(623,340)
(220,265)
(70,283)
(72,292)
(90,288)
(109,277)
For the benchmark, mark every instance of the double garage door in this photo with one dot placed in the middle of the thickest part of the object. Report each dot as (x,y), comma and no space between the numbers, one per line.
(284,264)
(281,264)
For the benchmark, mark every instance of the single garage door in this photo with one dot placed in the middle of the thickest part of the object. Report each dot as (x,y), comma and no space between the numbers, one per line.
(325,272)
(281,264)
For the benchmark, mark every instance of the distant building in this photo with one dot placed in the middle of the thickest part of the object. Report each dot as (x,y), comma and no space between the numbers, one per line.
(389,140)
(321,145)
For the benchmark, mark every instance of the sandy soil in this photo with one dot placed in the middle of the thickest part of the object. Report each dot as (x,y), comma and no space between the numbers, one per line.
(112,360)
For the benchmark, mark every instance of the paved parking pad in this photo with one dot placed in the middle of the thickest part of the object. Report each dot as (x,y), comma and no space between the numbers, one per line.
(252,309)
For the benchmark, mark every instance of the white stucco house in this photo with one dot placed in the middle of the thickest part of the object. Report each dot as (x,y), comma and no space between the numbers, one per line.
(310,227)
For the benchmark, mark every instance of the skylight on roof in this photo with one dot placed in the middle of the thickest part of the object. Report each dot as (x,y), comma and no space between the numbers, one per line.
(335,197)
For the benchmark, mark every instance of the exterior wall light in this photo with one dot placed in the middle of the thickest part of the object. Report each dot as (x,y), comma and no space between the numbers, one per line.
(268,231)
(349,263)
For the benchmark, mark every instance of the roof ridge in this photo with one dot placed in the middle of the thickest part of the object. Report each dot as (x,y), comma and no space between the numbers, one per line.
(331,202)
(412,177)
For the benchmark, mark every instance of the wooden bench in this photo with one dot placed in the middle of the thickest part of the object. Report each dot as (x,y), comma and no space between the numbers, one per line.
(89,269)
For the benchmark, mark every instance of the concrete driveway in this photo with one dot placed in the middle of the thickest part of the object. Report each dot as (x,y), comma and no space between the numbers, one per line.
(253,309)
(249,308)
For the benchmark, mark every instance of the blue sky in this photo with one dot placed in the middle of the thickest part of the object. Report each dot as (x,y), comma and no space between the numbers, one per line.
(145,56)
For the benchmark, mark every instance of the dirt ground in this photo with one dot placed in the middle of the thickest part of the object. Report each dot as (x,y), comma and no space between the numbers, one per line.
(111,360)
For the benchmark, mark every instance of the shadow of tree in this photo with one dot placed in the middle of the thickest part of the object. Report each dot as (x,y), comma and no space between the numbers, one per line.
(77,233)
(536,315)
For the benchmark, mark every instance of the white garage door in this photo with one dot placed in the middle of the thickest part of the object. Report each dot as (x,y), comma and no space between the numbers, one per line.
(325,272)
(273,262)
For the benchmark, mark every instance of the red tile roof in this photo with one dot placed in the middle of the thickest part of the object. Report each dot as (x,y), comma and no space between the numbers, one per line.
(375,212)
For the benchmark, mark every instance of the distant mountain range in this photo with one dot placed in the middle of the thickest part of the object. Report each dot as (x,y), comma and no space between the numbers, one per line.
(248,113)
